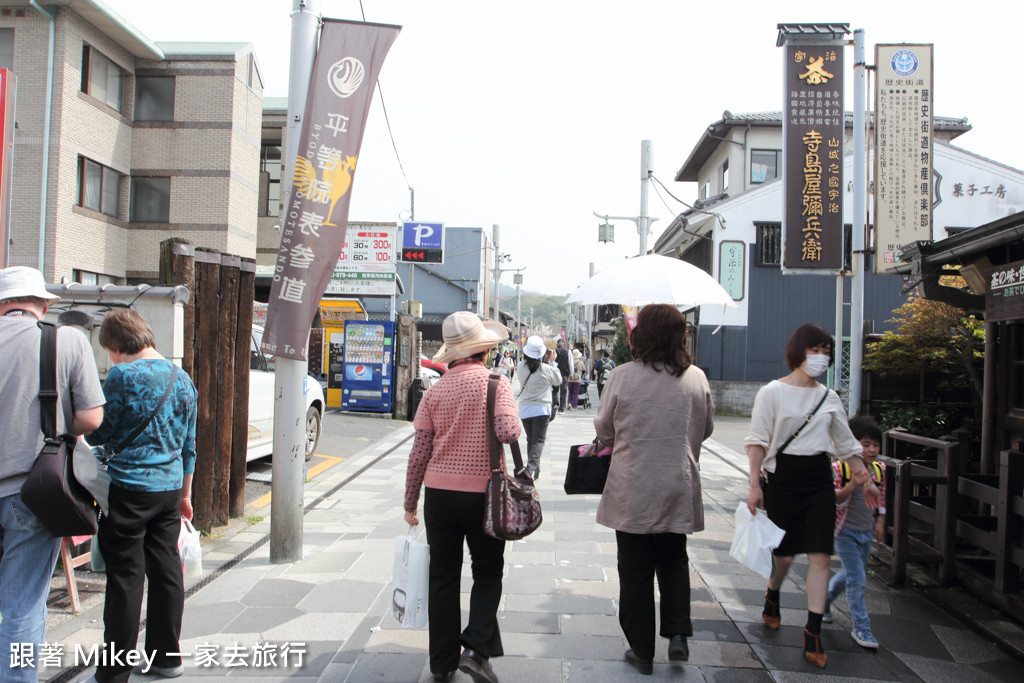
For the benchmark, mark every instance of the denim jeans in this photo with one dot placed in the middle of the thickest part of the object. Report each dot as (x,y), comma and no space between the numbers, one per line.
(854,549)
(27,559)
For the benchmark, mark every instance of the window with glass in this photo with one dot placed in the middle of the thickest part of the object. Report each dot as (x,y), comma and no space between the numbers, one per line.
(98,187)
(270,163)
(764,165)
(154,98)
(769,244)
(7,48)
(723,176)
(151,200)
(101,78)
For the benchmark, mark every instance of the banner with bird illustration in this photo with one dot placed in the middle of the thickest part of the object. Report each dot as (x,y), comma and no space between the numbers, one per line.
(315,217)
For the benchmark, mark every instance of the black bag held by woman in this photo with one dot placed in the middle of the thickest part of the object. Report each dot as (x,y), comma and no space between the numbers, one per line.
(587,469)
(51,491)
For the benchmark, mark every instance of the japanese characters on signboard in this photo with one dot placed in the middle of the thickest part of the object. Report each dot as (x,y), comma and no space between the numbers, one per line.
(315,217)
(904,102)
(366,266)
(813,132)
(732,266)
(1004,293)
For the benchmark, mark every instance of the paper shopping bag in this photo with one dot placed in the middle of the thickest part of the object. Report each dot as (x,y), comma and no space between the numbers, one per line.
(754,540)
(411,580)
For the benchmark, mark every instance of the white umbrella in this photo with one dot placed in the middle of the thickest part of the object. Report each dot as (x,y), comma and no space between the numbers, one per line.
(652,279)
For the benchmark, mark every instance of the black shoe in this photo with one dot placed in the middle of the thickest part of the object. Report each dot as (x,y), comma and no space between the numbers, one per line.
(644,666)
(444,677)
(678,650)
(477,666)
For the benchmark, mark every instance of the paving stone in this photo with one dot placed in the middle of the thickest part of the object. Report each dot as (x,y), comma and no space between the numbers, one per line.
(596,589)
(388,668)
(341,596)
(938,671)
(260,619)
(589,624)
(562,604)
(519,668)
(398,640)
(563,646)
(721,631)
(201,620)
(527,622)
(621,671)
(276,592)
(714,674)
(559,571)
(339,625)
(315,661)
(324,562)
(907,637)
(864,665)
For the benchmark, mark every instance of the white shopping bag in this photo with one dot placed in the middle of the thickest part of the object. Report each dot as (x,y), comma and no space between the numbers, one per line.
(754,540)
(411,581)
(190,551)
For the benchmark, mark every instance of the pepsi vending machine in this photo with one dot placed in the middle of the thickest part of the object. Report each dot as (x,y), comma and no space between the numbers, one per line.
(368,364)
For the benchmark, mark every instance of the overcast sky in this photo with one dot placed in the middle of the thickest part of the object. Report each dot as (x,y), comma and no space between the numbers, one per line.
(529,115)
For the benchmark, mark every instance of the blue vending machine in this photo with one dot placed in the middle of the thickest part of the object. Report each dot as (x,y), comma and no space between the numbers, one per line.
(368,366)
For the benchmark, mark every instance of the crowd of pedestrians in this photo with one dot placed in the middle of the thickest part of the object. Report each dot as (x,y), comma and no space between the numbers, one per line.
(654,413)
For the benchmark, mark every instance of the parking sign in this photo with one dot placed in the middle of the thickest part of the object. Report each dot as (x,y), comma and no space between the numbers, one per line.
(422,242)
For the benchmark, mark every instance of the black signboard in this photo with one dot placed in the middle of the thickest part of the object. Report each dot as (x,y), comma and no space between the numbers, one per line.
(1004,293)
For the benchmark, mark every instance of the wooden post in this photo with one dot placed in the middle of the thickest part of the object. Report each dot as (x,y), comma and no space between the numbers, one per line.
(1011,481)
(243,343)
(206,321)
(227,325)
(946,497)
(177,267)
(901,523)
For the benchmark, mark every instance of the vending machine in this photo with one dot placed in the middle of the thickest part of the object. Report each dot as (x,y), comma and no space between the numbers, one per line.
(369,358)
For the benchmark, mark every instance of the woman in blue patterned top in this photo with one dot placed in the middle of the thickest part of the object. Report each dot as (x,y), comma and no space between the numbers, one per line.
(150,490)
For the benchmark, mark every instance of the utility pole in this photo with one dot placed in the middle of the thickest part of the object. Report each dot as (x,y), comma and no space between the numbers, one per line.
(518,279)
(646,170)
(288,471)
(860,195)
(497,274)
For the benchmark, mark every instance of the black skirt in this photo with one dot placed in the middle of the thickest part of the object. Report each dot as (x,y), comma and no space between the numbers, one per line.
(800,498)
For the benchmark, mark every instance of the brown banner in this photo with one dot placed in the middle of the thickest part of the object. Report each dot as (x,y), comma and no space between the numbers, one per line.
(316,216)
(813,132)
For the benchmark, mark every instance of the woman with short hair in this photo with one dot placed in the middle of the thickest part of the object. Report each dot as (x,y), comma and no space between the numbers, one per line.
(799,495)
(150,491)
(655,413)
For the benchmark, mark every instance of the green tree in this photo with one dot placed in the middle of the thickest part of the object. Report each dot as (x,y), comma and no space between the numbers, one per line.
(620,346)
(935,337)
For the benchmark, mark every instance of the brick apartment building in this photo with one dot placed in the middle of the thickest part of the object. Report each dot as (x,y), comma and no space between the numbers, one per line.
(146,141)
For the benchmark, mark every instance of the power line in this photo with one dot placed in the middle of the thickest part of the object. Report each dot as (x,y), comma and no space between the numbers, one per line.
(387,120)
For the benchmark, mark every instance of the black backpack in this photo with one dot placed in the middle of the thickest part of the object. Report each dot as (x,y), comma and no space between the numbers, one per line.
(562,360)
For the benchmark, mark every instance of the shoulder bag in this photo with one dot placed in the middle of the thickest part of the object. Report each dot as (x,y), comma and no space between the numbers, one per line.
(51,491)
(513,505)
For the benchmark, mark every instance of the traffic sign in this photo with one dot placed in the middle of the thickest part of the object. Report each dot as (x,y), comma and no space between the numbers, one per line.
(422,242)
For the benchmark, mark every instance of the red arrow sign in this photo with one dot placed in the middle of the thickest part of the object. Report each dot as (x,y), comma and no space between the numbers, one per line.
(412,256)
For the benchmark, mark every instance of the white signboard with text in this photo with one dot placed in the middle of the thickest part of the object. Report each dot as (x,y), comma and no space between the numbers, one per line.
(366,266)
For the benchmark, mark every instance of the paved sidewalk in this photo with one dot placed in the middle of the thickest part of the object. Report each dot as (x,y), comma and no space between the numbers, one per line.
(558,615)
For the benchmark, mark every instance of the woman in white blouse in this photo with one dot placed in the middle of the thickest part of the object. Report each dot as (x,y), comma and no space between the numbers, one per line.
(798,494)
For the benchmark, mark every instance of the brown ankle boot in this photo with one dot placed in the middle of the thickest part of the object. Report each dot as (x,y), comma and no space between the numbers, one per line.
(813,651)
(771,614)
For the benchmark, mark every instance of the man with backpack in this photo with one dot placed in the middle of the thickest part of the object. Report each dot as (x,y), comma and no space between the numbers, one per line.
(603,368)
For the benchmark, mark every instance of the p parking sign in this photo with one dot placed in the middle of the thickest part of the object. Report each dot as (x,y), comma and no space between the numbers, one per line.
(422,242)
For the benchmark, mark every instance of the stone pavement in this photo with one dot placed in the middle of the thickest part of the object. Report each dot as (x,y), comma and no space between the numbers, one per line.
(558,614)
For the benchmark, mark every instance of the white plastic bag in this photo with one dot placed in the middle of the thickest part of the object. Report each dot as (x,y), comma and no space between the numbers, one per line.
(190,551)
(754,540)
(411,581)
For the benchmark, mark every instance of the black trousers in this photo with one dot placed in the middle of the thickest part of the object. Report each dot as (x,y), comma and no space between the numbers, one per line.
(536,429)
(452,517)
(139,540)
(640,558)
(563,393)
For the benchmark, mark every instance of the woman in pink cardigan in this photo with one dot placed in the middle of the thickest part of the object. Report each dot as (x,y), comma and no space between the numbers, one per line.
(655,412)
(451,458)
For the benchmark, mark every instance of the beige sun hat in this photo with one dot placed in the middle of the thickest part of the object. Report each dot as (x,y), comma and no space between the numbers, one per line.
(21,281)
(465,334)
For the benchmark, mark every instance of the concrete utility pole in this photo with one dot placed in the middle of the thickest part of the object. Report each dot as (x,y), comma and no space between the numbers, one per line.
(646,170)
(289,459)
(497,273)
(860,196)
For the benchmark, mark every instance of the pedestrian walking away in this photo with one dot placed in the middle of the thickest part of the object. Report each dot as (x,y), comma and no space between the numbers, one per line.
(796,426)
(451,458)
(602,370)
(857,526)
(537,379)
(655,416)
(29,552)
(564,362)
(149,434)
(579,370)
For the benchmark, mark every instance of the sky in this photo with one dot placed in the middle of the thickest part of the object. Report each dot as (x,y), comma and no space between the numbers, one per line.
(530,115)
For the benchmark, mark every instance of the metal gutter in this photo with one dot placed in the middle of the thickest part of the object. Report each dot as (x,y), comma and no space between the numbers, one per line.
(46,137)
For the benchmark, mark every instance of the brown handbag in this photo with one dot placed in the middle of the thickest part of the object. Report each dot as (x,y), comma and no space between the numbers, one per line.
(513,505)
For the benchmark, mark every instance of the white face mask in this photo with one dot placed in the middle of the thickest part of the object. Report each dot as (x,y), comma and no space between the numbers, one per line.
(815,364)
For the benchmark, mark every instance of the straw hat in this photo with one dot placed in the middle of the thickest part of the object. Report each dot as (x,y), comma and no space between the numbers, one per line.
(534,347)
(577,354)
(465,335)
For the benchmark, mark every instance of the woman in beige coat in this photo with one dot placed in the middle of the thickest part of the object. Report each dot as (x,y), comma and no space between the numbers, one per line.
(654,413)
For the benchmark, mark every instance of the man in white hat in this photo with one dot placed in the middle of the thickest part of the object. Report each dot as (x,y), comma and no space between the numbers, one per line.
(29,552)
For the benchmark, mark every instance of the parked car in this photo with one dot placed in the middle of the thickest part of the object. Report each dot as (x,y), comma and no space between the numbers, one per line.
(439,368)
(261,403)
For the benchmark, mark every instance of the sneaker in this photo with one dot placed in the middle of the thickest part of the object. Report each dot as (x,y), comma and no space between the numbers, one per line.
(864,638)
(826,618)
